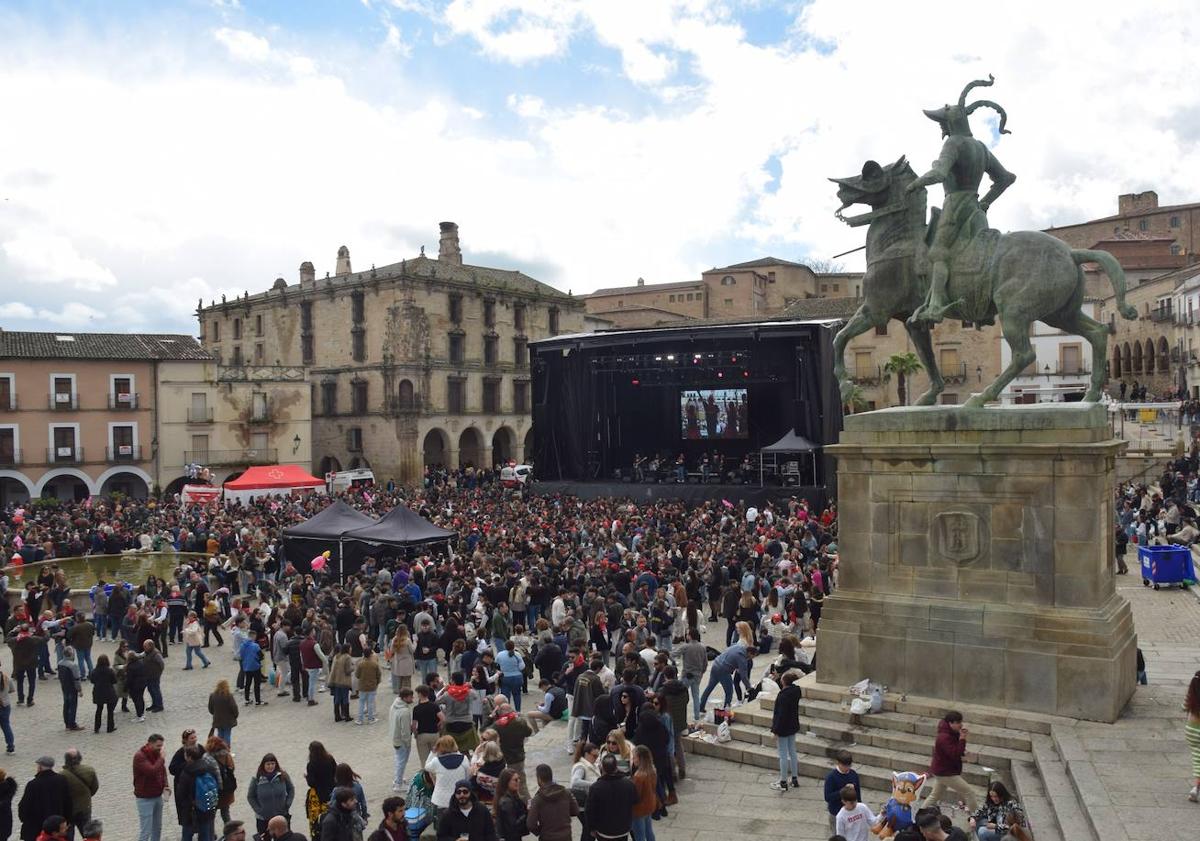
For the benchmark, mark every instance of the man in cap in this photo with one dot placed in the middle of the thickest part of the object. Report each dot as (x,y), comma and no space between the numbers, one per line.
(45,795)
(465,818)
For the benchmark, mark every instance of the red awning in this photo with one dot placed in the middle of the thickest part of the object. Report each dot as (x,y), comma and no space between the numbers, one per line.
(274,476)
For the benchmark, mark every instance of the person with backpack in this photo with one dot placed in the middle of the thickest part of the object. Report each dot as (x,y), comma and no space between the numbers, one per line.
(197,795)
(218,749)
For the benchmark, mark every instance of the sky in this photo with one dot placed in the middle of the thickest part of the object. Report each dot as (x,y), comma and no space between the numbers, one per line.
(155,154)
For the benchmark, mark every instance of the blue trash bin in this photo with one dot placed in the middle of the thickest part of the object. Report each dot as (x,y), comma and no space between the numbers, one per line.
(1166,565)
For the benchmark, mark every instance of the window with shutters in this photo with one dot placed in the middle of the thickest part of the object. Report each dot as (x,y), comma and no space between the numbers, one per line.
(329,398)
(490,353)
(519,317)
(520,352)
(456,395)
(520,397)
(491,396)
(456,344)
(489,313)
(554,321)
(354,439)
(237,329)
(358,397)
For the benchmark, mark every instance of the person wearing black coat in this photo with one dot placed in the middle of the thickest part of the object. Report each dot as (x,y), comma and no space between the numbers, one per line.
(104,691)
(603,719)
(45,795)
(8,790)
(652,733)
(609,808)
(136,680)
(549,661)
(475,825)
(785,724)
(511,811)
(185,792)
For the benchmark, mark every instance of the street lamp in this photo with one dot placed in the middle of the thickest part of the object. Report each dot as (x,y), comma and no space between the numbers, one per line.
(979,373)
(295,444)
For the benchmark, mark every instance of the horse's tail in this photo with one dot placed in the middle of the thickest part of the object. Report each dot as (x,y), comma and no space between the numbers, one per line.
(1116,276)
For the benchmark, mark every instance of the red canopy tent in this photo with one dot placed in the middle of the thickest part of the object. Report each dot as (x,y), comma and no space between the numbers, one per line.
(271,480)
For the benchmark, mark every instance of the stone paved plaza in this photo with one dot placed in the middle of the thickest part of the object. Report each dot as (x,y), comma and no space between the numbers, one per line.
(1138,787)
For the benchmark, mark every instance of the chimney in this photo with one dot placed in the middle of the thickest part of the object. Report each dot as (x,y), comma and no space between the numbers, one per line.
(343,261)
(448,250)
(307,273)
(1136,202)
(641,281)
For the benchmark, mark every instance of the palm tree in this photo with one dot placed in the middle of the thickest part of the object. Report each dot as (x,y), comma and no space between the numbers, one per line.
(856,401)
(903,365)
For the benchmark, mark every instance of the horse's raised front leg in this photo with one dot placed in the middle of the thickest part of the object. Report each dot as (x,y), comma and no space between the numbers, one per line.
(923,342)
(1016,333)
(859,323)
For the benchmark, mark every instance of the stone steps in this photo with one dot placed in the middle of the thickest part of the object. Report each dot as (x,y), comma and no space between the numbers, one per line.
(1069,817)
(875,731)
(886,759)
(981,733)
(1031,794)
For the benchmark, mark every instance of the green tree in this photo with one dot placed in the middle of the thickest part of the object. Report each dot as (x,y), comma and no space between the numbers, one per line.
(855,400)
(903,365)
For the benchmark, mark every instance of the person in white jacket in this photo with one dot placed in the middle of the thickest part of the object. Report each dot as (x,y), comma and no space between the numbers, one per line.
(401,725)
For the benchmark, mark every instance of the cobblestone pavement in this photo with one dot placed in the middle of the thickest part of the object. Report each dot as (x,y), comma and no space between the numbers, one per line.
(719,800)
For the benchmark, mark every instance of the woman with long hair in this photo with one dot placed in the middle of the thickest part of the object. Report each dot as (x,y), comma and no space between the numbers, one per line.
(319,774)
(615,744)
(400,659)
(645,782)
(344,777)
(447,766)
(271,792)
(218,749)
(223,708)
(120,661)
(509,809)
(1191,705)
(104,692)
(999,817)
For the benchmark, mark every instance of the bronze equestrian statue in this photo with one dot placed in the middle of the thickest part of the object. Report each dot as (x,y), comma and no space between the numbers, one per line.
(954,266)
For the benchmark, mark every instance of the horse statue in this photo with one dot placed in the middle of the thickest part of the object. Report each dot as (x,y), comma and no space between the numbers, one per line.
(1020,277)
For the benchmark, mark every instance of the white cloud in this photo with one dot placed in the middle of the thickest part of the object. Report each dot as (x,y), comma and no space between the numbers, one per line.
(219,180)
(51,258)
(72,314)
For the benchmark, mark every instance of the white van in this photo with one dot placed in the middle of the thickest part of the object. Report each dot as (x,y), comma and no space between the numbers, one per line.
(516,475)
(345,479)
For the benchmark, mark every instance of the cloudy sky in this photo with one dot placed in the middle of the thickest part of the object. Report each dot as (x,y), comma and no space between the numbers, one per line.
(155,153)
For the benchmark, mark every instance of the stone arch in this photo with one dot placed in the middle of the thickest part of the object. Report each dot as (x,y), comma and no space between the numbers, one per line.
(527,456)
(15,487)
(406,398)
(131,481)
(504,442)
(1115,371)
(470,448)
(1149,357)
(436,448)
(51,476)
(359,463)
(1137,357)
(329,464)
(175,486)
(1164,354)
(1126,359)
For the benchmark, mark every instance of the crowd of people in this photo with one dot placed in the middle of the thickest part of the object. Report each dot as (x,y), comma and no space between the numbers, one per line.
(582,616)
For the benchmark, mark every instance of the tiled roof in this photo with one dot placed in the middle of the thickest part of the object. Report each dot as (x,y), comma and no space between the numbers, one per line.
(809,308)
(1150,211)
(648,287)
(18,345)
(760,263)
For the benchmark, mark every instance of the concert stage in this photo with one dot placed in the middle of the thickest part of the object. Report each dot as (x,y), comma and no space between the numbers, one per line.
(717,401)
(691,494)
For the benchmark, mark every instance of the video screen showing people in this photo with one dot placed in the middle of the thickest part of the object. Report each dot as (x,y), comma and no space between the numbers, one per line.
(713,413)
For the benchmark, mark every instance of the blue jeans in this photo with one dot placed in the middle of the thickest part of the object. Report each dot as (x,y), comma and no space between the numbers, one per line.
(313,676)
(724,677)
(203,832)
(643,829)
(70,706)
(199,652)
(150,814)
(401,762)
(789,763)
(100,620)
(85,662)
(6,726)
(986,834)
(426,667)
(534,611)
(226,733)
(510,685)
(155,688)
(366,705)
(693,685)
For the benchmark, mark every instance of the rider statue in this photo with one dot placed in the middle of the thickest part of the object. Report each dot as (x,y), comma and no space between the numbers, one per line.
(960,169)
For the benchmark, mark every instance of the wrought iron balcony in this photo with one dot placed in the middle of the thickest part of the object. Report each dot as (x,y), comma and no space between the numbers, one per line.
(64,455)
(64,401)
(123,453)
(10,458)
(123,401)
(1159,314)
(200,415)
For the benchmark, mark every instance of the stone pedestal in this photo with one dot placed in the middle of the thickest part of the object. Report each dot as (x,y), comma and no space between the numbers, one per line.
(977,559)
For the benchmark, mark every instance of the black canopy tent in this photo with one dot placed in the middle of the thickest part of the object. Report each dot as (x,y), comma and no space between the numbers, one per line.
(789,444)
(400,527)
(323,532)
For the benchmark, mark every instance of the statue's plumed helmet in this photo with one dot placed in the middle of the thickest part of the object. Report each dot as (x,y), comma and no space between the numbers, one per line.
(953,118)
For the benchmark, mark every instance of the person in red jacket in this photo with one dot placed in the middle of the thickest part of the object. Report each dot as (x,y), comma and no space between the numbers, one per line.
(946,766)
(149,786)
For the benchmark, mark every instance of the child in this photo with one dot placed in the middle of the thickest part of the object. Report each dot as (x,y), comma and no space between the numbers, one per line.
(839,777)
(855,819)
